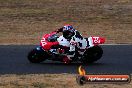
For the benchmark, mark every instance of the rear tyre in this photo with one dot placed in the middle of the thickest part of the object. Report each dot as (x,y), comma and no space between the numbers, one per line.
(37,56)
(92,54)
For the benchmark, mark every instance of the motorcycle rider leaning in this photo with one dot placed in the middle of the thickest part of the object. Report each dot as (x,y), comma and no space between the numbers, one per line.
(73,39)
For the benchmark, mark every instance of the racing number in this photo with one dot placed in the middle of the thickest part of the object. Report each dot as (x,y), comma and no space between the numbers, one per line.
(43,42)
(96,40)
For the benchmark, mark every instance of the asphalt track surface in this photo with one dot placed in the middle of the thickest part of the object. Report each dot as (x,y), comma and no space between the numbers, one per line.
(116,59)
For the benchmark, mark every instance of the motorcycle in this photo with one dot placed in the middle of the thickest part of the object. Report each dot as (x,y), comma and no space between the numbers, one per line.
(51,48)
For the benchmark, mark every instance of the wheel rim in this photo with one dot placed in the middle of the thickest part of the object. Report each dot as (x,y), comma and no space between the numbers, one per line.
(96,54)
(34,56)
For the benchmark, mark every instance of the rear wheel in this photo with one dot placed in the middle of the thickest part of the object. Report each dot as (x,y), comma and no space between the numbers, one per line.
(37,56)
(92,54)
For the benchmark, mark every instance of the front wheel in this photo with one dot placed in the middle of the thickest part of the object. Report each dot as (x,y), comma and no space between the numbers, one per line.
(37,56)
(92,54)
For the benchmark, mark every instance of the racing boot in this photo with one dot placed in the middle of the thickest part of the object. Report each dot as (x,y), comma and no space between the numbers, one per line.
(66,60)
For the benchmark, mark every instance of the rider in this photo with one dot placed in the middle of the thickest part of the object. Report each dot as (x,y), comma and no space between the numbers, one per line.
(74,39)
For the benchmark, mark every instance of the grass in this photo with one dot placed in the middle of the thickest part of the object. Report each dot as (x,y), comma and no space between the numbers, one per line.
(25,21)
(50,81)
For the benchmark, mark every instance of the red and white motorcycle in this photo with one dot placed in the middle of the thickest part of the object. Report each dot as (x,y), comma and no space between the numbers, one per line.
(51,48)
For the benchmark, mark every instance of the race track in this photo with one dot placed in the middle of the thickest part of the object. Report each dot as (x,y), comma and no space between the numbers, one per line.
(116,59)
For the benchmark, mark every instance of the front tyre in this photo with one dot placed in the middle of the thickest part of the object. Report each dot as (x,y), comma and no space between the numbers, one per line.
(92,54)
(37,55)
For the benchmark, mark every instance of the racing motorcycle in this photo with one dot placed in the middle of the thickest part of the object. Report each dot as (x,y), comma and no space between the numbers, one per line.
(51,48)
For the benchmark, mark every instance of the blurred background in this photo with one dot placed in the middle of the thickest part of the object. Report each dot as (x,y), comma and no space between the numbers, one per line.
(25,21)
